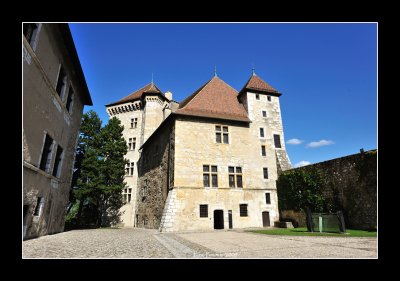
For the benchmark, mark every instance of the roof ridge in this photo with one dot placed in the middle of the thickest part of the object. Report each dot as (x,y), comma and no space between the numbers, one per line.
(229,85)
(196,94)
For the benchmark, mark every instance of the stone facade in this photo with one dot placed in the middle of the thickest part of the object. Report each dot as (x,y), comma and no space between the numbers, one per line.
(351,183)
(155,170)
(140,118)
(176,145)
(46,112)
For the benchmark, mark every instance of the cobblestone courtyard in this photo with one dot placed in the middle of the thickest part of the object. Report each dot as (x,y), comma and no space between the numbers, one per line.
(147,243)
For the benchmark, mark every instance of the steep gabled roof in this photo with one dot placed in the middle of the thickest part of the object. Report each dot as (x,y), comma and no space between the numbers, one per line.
(257,84)
(215,99)
(150,88)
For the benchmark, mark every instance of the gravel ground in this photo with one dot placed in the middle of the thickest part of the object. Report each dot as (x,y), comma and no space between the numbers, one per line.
(239,244)
(97,243)
(149,243)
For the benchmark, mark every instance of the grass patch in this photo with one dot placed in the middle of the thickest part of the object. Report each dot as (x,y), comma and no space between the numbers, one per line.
(302,231)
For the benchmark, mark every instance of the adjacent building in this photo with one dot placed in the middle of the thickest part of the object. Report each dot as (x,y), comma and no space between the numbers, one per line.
(209,162)
(54,94)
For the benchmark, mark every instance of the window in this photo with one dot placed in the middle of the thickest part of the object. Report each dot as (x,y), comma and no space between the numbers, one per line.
(127,195)
(263,152)
(134,123)
(265,171)
(30,32)
(235,174)
(46,154)
(261,132)
(257,96)
(56,167)
(69,99)
(218,134)
(267,198)
(132,143)
(203,211)
(264,114)
(210,174)
(243,210)
(269,98)
(277,141)
(39,206)
(61,82)
(224,134)
(130,169)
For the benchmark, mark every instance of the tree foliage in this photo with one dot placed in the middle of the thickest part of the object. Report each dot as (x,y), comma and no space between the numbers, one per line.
(300,189)
(99,173)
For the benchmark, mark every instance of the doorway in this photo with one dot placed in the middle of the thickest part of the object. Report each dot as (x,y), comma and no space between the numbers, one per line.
(230,218)
(218,219)
(265,217)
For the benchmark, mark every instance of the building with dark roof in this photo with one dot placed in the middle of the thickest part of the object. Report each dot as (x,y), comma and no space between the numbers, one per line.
(54,94)
(210,161)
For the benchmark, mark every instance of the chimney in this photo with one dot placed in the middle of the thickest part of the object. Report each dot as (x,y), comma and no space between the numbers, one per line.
(168,95)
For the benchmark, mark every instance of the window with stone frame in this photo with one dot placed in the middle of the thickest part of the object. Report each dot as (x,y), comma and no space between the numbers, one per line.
(210,176)
(45,160)
(268,198)
(144,189)
(263,151)
(269,98)
(235,177)
(264,114)
(243,210)
(257,96)
(127,195)
(277,141)
(132,144)
(265,173)
(57,162)
(262,133)
(129,169)
(61,82)
(30,32)
(222,136)
(68,103)
(133,123)
(204,211)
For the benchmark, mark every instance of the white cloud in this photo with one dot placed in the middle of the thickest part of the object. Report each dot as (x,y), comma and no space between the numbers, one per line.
(301,163)
(314,144)
(294,141)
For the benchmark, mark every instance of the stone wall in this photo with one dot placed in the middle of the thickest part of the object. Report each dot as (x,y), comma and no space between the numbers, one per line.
(154,178)
(45,112)
(352,185)
(195,146)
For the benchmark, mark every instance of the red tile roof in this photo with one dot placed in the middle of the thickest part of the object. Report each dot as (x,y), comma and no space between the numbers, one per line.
(215,99)
(256,83)
(150,88)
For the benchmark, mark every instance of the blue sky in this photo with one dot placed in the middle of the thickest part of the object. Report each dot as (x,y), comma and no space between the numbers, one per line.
(326,72)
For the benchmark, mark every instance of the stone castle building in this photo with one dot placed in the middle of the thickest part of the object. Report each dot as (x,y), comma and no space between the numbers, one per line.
(54,94)
(211,161)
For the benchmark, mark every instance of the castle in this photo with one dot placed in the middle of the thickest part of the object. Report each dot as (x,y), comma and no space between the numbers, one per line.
(208,162)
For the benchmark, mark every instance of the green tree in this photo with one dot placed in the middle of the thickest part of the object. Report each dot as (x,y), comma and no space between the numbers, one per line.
(98,180)
(86,169)
(113,163)
(300,189)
